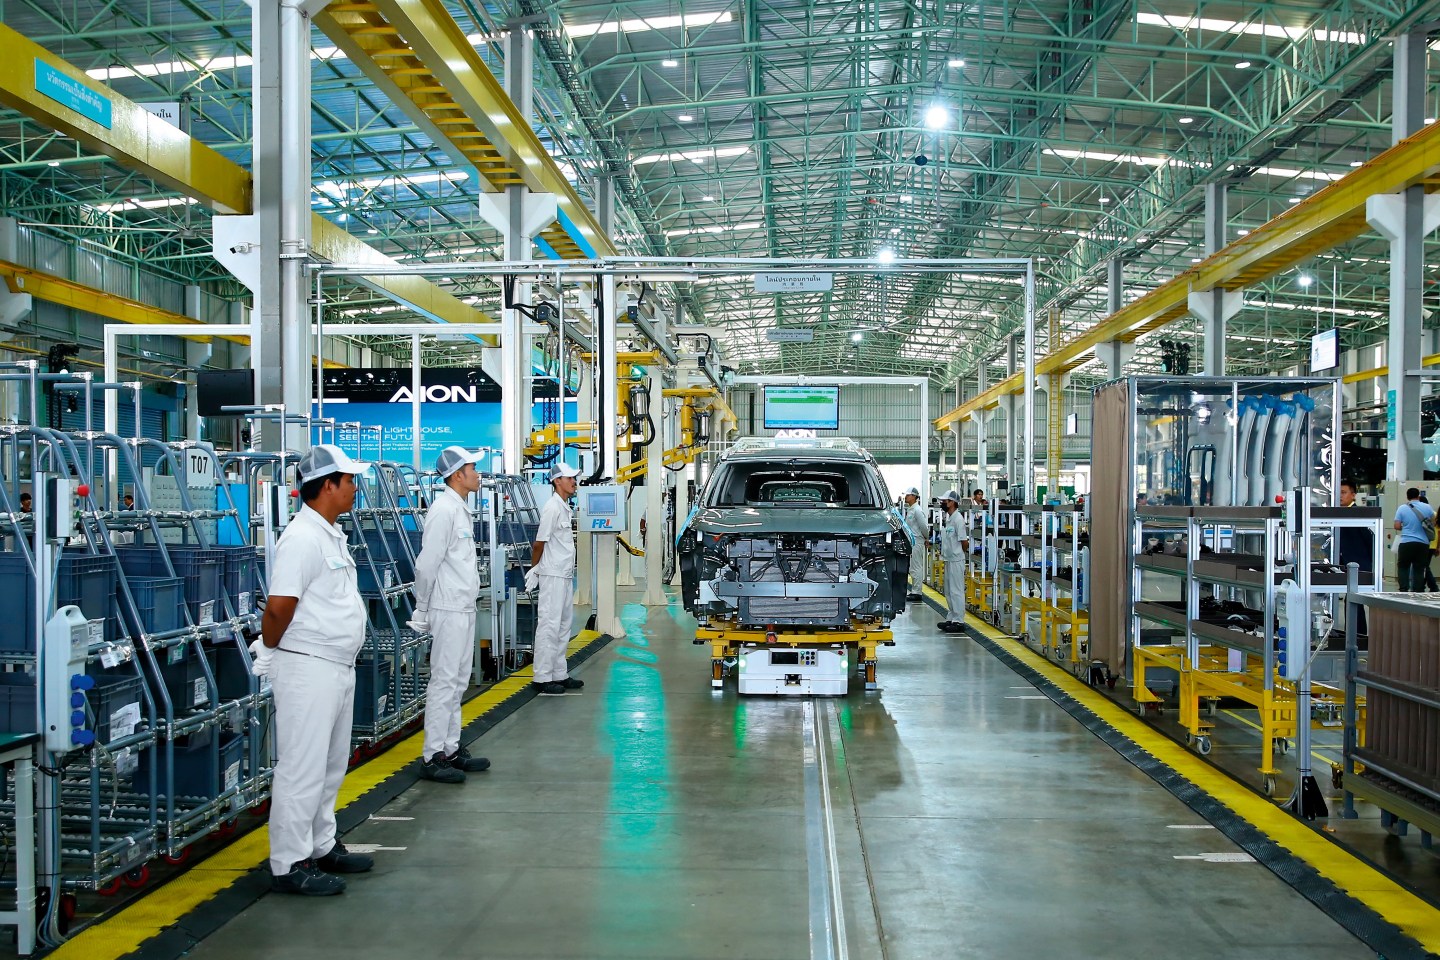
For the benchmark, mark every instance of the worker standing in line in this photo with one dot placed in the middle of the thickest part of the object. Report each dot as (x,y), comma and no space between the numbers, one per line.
(1416,525)
(313,628)
(954,546)
(447,585)
(552,569)
(919,526)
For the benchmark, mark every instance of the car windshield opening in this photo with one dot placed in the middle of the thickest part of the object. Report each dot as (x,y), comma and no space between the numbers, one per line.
(803,484)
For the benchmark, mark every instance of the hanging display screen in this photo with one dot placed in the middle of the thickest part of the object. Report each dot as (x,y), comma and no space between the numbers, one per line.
(802,408)
(1325,351)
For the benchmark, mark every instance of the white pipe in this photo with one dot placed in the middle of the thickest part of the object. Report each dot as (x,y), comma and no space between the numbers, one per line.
(1029,470)
(417,386)
(294,214)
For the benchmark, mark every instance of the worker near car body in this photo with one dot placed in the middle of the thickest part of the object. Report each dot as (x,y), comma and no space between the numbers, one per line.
(447,585)
(552,570)
(313,628)
(919,527)
(954,545)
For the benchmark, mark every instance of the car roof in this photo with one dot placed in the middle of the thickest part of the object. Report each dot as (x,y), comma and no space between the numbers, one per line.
(783,454)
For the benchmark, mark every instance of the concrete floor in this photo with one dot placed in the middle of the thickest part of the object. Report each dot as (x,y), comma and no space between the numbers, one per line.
(652,818)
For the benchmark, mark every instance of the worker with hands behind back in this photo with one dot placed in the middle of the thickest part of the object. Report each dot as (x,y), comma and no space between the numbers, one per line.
(919,525)
(954,546)
(447,584)
(552,570)
(313,628)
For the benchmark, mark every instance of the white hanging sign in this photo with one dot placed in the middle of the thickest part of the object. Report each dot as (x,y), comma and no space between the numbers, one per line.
(169,112)
(793,282)
(790,335)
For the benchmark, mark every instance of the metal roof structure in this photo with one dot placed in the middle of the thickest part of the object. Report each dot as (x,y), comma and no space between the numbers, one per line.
(1075,133)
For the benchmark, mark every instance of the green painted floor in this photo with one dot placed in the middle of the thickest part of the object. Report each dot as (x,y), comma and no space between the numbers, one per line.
(650,817)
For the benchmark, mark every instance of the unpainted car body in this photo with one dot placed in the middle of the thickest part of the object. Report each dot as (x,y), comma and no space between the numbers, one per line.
(790,535)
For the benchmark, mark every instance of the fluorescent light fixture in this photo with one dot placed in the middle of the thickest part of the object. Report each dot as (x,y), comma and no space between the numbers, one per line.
(1243,65)
(906,198)
(686,117)
(1305,280)
(53,163)
(1194,259)
(1293,200)
(372,231)
(1357,163)
(159,203)
(956,63)
(1241,233)
(708,198)
(648,23)
(937,116)
(894,230)
(714,228)
(669,63)
(694,156)
(1187,119)
(856,337)
(1104,199)
(886,255)
(1249,29)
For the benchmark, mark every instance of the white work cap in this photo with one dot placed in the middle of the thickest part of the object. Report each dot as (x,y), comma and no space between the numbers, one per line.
(953,496)
(912,492)
(325,459)
(562,470)
(453,458)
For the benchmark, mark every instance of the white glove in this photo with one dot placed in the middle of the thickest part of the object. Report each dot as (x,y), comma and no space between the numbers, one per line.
(532,579)
(262,656)
(420,623)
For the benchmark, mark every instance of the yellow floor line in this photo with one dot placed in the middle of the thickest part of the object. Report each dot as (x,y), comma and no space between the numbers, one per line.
(1314,754)
(123,933)
(1411,914)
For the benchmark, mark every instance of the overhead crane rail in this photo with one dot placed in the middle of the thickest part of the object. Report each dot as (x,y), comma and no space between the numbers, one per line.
(1325,219)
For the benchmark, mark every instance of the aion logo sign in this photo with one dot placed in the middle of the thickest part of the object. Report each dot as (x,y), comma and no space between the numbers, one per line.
(437,393)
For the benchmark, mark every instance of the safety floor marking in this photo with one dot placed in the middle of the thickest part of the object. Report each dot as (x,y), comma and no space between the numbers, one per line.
(1229,856)
(1398,906)
(136,922)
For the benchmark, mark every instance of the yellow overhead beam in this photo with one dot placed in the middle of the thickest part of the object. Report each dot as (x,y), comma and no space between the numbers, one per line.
(115,126)
(1433,360)
(416,52)
(102,121)
(1328,217)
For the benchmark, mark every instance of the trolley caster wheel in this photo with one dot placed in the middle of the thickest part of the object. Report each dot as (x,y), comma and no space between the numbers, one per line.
(1202,744)
(226,827)
(262,808)
(1189,739)
(1337,776)
(1268,785)
(1283,745)
(69,906)
(1110,682)
(137,878)
(109,889)
(175,859)
(1212,707)
(356,756)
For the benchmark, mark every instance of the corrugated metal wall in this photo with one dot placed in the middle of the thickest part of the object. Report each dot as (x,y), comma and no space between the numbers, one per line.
(882,417)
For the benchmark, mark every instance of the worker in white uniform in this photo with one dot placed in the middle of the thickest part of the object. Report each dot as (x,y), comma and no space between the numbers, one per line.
(447,584)
(552,570)
(313,628)
(954,547)
(919,526)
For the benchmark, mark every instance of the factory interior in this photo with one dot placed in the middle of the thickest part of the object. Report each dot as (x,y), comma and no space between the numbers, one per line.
(697,479)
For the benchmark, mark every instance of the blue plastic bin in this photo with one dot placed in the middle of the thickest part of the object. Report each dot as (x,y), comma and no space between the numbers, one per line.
(83,580)
(160,602)
(17,703)
(113,695)
(373,698)
(202,567)
(242,566)
(199,769)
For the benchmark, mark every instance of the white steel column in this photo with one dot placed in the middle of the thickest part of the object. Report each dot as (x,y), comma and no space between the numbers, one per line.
(607,611)
(1029,469)
(1405,219)
(267,161)
(1215,307)
(924,444)
(196,355)
(655,489)
(1012,425)
(1114,353)
(515,402)
(982,429)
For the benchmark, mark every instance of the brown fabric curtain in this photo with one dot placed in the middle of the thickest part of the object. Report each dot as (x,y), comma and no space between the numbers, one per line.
(1111,469)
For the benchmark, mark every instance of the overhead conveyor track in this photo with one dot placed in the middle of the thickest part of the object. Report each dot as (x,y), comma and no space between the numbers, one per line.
(416,53)
(1331,216)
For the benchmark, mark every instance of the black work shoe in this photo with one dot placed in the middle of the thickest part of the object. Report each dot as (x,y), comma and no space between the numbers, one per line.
(913,596)
(572,684)
(461,760)
(554,688)
(438,768)
(307,880)
(340,860)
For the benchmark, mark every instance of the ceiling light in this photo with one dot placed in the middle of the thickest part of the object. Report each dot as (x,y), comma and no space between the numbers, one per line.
(886,255)
(1187,119)
(694,156)
(1429,119)
(648,23)
(956,64)
(372,231)
(1251,29)
(1104,199)
(1293,200)
(937,116)
(1305,279)
(669,63)
(686,117)
(708,198)
(1357,163)
(856,337)
(894,230)
(53,163)
(1242,65)
(1241,233)
(906,198)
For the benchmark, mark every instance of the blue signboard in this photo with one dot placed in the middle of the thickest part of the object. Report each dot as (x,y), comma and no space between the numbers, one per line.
(67,91)
(1390,415)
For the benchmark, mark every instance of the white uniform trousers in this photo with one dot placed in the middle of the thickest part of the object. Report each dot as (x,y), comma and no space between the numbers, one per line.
(554,618)
(452,657)
(314,711)
(955,590)
(917,568)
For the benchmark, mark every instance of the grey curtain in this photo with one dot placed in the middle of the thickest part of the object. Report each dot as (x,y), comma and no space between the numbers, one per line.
(1112,468)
